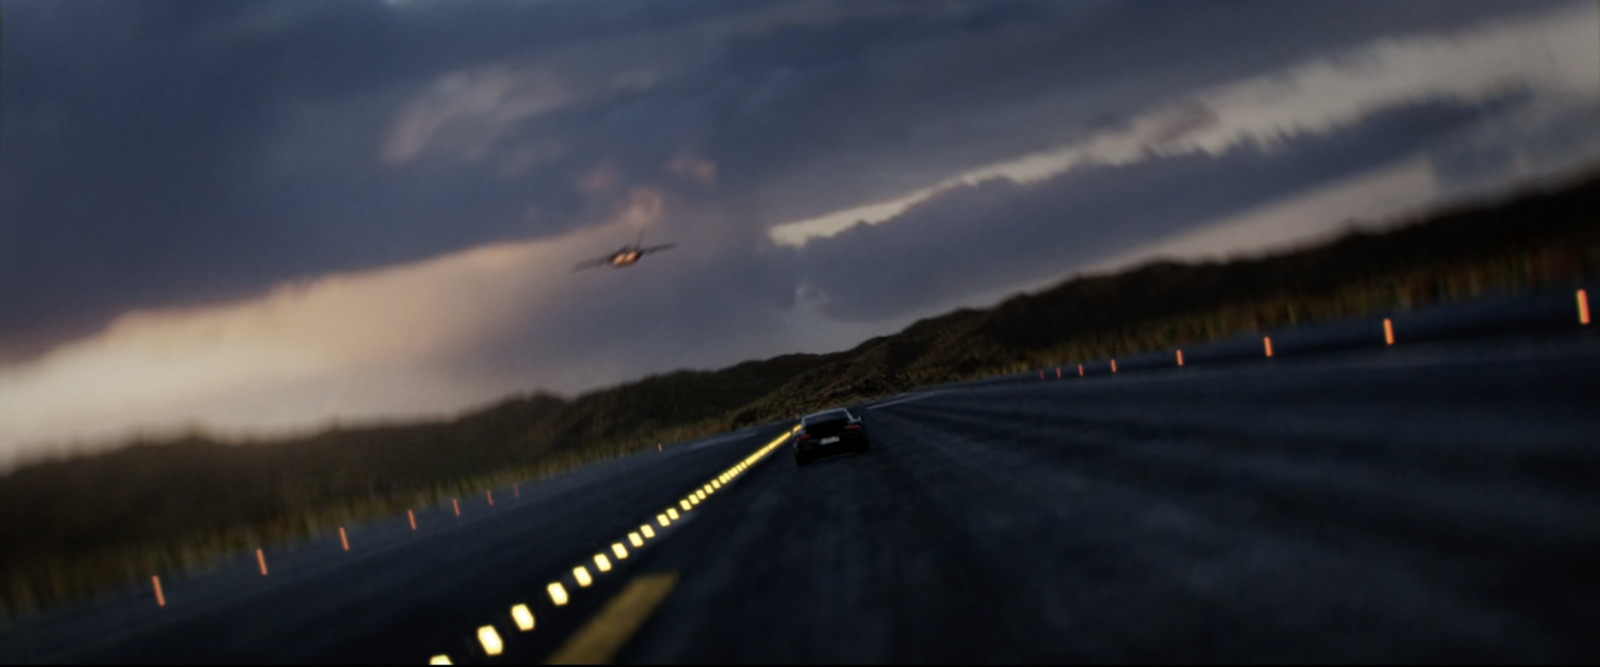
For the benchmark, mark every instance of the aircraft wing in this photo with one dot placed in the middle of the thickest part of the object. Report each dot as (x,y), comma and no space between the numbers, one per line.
(657,248)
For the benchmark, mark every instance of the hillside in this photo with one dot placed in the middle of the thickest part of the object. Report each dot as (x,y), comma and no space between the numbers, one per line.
(70,528)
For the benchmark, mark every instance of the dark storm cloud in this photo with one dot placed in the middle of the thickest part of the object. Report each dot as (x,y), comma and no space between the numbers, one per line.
(975,239)
(150,154)
(174,153)
(816,118)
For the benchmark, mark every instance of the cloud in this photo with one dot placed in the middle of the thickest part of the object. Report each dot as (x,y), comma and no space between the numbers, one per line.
(421,339)
(1374,198)
(997,234)
(326,176)
(600,181)
(694,168)
(1553,53)
(343,336)
(343,137)
(464,113)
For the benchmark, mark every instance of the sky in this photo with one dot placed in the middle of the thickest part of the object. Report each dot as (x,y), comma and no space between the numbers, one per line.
(262,217)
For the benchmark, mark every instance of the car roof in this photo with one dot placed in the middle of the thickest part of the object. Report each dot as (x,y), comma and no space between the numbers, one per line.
(828,414)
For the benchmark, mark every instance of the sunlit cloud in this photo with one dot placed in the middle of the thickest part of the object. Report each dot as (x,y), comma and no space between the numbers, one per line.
(350,346)
(1556,54)
(1369,200)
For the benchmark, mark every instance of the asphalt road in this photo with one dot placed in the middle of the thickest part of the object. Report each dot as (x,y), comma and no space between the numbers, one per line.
(397,596)
(1438,503)
(1423,502)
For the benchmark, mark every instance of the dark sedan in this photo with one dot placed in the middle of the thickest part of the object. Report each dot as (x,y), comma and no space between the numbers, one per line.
(828,433)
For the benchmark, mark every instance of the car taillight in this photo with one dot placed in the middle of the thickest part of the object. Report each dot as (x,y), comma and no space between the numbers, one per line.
(852,426)
(803,436)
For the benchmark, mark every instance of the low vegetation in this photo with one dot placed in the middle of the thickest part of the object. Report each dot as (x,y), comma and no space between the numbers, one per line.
(72,528)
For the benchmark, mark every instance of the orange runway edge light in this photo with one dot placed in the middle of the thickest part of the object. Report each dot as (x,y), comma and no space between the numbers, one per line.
(1113,365)
(456,504)
(1267,341)
(1583,307)
(490,496)
(155,582)
(1388,331)
(1080,370)
(261,559)
(412,517)
(1180,357)
(343,541)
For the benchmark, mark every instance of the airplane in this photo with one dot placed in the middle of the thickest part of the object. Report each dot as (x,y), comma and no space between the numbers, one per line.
(628,255)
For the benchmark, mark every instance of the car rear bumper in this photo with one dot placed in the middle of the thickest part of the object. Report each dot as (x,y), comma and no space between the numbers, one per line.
(847,443)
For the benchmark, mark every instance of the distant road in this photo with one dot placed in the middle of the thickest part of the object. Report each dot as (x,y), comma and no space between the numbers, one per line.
(1431,502)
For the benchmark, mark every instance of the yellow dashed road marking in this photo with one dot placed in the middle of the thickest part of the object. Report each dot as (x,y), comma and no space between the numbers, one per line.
(600,639)
(604,634)
(490,640)
(523,616)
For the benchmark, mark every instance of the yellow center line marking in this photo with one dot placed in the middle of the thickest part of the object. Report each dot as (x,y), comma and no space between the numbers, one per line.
(600,639)
(490,640)
(523,616)
(603,635)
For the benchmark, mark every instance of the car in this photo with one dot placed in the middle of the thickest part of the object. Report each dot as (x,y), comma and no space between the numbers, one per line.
(827,433)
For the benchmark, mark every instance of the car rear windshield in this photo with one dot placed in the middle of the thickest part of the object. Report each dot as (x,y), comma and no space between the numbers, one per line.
(828,419)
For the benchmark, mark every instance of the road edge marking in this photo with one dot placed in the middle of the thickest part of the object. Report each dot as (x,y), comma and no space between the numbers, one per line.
(600,638)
